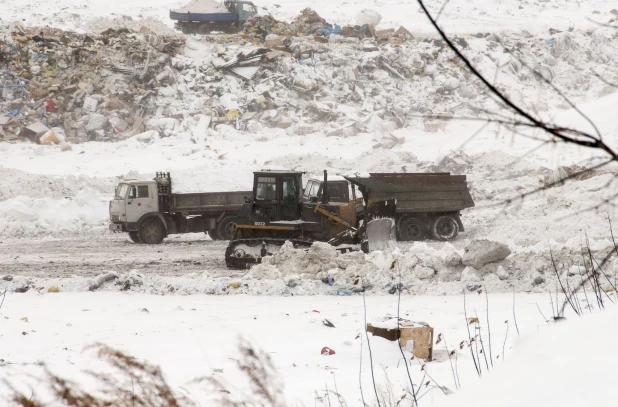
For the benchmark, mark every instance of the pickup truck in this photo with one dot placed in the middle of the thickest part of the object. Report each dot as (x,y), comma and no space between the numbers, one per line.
(149,211)
(204,16)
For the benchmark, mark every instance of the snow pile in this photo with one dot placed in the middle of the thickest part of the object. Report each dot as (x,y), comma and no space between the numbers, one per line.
(435,269)
(26,216)
(550,354)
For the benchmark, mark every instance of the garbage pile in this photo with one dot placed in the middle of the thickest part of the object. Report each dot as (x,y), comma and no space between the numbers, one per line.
(360,79)
(59,85)
(262,26)
(307,23)
(388,81)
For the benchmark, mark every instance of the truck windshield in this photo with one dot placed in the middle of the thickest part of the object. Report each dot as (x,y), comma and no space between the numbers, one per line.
(121,191)
(248,8)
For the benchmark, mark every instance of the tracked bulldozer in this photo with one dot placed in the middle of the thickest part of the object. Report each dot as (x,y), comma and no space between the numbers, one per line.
(351,213)
(282,211)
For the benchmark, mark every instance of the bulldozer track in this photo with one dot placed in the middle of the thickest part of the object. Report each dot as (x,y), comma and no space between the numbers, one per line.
(239,261)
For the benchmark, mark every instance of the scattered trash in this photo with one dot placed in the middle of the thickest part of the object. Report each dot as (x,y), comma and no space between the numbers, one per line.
(101,279)
(53,289)
(327,323)
(327,351)
(341,291)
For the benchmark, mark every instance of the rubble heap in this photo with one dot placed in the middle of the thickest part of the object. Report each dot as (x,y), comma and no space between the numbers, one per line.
(308,22)
(302,77)
(83,87)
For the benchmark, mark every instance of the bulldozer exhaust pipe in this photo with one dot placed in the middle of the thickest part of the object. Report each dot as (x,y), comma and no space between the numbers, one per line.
(325,188)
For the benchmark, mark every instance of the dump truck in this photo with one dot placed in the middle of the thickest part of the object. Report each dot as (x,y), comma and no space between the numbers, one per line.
(417,206)
(205,16)
(149,211)
(427,205)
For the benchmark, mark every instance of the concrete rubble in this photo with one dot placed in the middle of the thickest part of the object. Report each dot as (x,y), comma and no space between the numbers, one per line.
(304,76)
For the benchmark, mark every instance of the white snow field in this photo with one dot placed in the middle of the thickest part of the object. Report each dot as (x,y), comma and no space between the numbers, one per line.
(196,336)
(178,307)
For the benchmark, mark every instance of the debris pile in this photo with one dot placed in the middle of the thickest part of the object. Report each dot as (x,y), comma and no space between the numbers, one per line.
(59,86)
(307,23)
(302,77)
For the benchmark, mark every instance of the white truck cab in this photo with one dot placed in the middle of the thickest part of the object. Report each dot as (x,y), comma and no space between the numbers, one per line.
(132,200)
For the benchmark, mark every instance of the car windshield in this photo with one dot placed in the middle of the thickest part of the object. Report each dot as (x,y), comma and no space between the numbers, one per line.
(121,191)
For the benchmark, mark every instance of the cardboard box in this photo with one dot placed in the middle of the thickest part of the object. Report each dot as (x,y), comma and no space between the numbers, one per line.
(416,338)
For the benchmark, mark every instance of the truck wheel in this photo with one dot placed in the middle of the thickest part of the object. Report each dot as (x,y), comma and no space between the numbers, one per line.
(151,232)
(134,236)
(412,229)
(225,229)
(213,234)
(444,228)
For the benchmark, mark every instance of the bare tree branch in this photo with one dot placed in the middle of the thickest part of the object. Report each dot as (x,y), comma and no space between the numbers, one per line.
(576,137)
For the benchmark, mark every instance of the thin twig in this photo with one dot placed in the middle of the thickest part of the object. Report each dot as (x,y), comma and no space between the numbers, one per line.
(505,336)
(441,9)
(373,379)
(451,362)
(488,327)
(562,286)
(514,318)
(360,372)
(546,320)
(478,327)
(476,365)
(3,297)
(399,331)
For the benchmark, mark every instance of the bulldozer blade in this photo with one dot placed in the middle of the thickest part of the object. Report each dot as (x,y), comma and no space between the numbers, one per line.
(381,234)
(381,225)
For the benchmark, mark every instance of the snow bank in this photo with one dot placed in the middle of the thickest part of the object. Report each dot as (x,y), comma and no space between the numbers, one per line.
(26,216)
(555,367)
(421,269)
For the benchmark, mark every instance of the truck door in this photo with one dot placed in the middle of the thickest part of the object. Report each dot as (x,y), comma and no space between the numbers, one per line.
(141,199)
(265,199)
(245,10)
(290,196)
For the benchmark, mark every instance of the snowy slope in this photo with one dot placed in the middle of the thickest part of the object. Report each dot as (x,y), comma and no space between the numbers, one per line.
(573,372)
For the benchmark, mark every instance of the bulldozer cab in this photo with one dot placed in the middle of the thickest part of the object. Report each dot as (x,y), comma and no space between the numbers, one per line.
(277,195)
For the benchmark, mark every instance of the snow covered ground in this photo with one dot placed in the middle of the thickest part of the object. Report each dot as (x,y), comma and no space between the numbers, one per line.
(53,214)
(194,336)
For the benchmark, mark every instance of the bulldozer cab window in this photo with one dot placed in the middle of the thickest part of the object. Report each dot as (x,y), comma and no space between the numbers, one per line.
(289,189)
(266,189)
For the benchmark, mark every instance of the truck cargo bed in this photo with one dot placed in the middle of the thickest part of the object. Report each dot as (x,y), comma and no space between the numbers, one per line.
(203,16)
(208,202)
(417,192)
